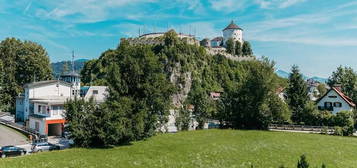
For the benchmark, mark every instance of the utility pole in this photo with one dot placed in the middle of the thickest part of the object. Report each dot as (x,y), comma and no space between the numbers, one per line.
(73,61)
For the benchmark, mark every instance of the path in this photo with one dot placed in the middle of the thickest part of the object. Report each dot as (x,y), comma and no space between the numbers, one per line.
(9,136)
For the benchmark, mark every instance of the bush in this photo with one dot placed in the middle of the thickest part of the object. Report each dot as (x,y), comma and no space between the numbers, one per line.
(345,120)
(302,163)
(338,131)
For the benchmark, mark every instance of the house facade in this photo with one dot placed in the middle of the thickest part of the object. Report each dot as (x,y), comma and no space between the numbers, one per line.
(41,107)
(335,101)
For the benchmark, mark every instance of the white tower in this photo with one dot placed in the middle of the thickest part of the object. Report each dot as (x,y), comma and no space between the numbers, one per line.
(233,31)
(73,78)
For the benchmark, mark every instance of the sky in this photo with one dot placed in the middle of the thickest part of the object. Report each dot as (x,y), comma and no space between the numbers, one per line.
(316,35)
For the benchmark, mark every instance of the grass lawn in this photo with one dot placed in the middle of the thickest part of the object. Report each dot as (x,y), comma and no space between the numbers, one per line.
(208,148)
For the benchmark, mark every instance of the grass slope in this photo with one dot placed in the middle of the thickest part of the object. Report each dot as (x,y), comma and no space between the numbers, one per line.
(210,148)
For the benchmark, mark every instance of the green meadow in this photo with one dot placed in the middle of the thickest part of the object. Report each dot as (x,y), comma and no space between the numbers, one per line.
(207,148)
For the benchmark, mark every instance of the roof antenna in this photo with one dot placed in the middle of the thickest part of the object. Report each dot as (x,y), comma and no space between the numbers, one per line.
(73,61)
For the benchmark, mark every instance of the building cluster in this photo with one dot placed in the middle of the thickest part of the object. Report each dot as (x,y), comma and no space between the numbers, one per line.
(215,46)
(41,107)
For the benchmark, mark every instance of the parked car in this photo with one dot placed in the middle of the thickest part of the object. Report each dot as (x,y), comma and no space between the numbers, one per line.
(43,146)
(6,151)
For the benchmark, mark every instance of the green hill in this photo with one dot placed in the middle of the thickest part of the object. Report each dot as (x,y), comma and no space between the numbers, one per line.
(57,67)
(209,148)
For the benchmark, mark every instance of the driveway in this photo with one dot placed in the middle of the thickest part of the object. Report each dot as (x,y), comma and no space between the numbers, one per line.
(9,136)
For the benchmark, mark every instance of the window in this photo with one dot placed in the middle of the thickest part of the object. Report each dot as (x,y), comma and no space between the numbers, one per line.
(95,92)
(337,104)
(328,104)
(39,109)
(55,110)
(332,96)
(72,92)
(37,126)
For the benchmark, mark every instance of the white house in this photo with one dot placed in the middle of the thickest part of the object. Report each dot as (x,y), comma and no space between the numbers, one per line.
(99,93)
(233,31)
(41,107)
(335,101)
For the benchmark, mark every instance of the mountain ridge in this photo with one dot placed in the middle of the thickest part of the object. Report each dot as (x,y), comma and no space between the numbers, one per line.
(284,74)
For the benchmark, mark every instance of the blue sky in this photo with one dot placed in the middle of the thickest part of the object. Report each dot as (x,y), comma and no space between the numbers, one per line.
(316,35)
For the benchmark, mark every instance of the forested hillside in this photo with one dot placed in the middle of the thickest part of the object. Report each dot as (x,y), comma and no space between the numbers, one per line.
(146,81)
(64,66)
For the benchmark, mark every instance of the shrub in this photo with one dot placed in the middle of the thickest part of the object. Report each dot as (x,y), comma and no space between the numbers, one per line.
(338,131)
(302,163)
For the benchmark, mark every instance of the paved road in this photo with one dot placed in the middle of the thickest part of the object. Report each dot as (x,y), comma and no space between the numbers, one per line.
(9,136)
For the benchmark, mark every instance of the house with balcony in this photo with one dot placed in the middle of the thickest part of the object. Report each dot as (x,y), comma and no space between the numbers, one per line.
(41,106)
(335,101)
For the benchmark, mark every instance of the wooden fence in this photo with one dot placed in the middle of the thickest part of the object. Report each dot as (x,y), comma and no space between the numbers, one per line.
(307,128)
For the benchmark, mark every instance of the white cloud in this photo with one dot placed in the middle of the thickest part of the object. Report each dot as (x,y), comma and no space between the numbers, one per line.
(85,10)
(288,3)
(227,5)
(273,4)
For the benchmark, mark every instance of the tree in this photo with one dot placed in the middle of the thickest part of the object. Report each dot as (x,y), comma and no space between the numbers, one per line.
(322,89)
(297,95)
(230,46)
(302,163)
(170,38)
(347,78)
(247,105)
(345,120)
(201,103)
(247,49)
(238,48)
(26,62)
(65,68)
(183,119)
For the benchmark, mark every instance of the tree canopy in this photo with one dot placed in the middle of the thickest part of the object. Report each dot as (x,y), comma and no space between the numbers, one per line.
(26,62)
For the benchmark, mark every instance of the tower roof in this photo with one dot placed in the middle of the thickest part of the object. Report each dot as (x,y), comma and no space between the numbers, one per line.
(232,25)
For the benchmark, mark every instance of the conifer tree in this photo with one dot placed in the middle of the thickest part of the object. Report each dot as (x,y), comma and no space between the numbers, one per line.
(238,48)
(247,49)
(230,46)
(297,95)
(302,163)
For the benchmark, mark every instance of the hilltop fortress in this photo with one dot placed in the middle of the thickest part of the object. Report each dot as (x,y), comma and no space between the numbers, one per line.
(215,46)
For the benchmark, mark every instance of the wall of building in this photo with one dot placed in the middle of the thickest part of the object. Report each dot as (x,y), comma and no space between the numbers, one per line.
(53,89)
(101,95)
(20,109)
(345,106)
(235,34)
(50,90)
(42,124)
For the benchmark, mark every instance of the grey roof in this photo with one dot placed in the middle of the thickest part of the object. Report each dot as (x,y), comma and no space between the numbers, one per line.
(232,25)
(41,83)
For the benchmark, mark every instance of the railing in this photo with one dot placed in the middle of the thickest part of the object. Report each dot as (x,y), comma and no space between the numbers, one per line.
(317,129)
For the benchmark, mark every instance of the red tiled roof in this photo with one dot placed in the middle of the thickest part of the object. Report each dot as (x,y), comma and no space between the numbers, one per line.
(232,25)
(217,39)
(344,97)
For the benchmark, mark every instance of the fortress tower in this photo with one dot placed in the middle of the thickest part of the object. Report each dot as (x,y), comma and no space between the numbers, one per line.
(233,31)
